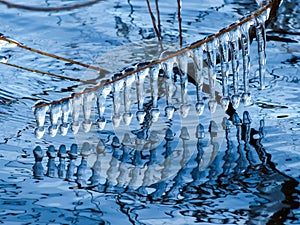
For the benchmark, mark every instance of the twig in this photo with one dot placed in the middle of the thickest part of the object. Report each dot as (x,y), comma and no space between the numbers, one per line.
(179,22)
(153,22)
(158,16)
(47,9)
(47,73)
(53,55)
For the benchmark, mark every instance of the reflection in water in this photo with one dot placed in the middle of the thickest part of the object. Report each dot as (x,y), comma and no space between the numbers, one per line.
(243,168)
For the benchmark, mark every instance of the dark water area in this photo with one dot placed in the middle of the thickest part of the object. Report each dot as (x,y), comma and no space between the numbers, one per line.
(239,167)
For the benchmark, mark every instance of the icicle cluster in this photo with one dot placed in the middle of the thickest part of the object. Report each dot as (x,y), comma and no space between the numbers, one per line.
(224,57)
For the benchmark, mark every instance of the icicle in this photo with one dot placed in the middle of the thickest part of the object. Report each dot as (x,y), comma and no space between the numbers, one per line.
(245,44)
(154,72)
(87,110)
(55,114)
(140,79)
(76,109)
(224,53)
(183,66)
(40,115)
(52,169)
(65,108)
(62,154)
(117,86)
(198,67)
(211,47)
(127,116)
(101,104)
(169,88)
(261,44)
(211,58)
(234,50)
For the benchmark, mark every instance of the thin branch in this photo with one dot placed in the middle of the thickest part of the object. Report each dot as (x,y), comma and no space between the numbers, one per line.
(53,55)
(181,51)
(179,22)
(47,73)
(48,9)
(153,22)
(158,16)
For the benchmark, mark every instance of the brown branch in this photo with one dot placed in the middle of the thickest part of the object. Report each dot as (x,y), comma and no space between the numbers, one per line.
(179,22)
(184,50)
(153,22)
(158,16)
(48,73)
(47,9)
(53,55)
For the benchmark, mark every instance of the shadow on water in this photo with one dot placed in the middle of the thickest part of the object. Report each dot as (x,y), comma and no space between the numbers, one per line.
(244,173)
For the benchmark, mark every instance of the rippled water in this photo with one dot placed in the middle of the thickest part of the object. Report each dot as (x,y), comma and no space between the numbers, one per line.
(250,181)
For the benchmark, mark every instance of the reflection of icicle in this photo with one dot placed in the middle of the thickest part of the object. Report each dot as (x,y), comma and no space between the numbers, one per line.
(101,104)
(127,116)
(55,114)
(183,66)
(140,77)
(184,174)
(38,169)
(137,172)
(83,170)
(224,53)
(154,92)
(71,167)
(198,67)
(211,58)
(40,114)
(152,174)
(76,109)
(65,109)
(114,164)
(166,167)
(261,44)
(87,110)
(234,50)
(96,179)
(62,154)
(125,168)
(245,44)
(52,169)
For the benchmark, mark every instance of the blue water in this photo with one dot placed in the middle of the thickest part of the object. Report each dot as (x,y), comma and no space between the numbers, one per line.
(248,182)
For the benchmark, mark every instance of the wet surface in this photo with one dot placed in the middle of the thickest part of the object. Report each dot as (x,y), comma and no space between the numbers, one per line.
(251,177)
